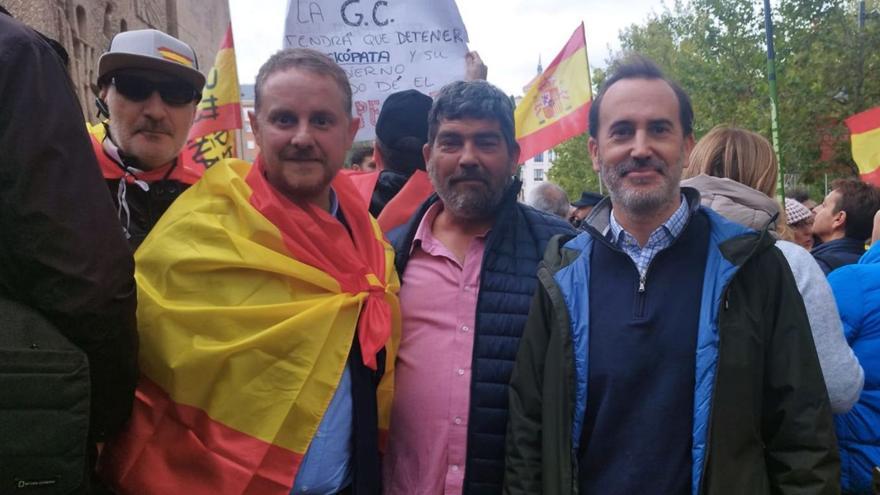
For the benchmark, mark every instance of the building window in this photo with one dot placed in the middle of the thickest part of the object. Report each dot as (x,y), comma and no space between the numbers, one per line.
(247,125)
(539,157)
(108,24)
(81,22)
(539,174)
(250,145)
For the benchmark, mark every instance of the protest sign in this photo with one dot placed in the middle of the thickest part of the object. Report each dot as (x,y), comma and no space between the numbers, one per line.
(384,46)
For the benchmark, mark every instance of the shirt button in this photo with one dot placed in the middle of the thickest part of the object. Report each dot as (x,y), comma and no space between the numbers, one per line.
(455,467)
(460,371)
(457,421)
(465,329)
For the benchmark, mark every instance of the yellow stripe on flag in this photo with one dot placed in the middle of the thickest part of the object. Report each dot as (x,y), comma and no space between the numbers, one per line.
(253,308)
(556,104)
(866,150)
(555,95)
(222,81)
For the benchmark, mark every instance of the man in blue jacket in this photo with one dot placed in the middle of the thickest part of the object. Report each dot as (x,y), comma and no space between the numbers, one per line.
(667,350)
(467,262)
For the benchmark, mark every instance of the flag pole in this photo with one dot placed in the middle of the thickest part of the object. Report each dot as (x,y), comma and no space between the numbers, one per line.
(774,99)
(590,89)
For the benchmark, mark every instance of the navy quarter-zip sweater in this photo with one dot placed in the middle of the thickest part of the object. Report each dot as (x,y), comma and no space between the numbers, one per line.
(638,421)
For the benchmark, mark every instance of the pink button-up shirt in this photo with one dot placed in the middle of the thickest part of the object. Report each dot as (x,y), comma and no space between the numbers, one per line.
(429,417)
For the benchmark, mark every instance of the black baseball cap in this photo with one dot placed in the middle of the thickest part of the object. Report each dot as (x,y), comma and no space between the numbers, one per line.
(587,199)
(403,120)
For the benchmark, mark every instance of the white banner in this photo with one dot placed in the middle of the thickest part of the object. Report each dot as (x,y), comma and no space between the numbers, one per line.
(384,46)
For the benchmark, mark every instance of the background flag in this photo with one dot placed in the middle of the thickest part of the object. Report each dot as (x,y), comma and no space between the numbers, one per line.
(865,134)
(557,104)
(212,136)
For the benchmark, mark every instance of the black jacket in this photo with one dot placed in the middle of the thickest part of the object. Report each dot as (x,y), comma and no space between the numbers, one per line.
(507,281)
(61,250)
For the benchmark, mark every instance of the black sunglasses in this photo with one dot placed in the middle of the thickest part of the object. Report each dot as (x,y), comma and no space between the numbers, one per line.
(174,93)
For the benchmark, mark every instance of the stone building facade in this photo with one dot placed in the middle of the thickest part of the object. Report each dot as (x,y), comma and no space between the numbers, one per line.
(85,28)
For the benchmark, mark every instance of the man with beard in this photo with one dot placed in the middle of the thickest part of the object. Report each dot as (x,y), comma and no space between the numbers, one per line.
(467,260)
(267,297)
(667,350)
(149,86)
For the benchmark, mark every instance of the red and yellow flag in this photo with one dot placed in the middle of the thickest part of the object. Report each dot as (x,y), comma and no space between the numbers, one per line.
(212,136)
(248,306)
(556,107)
(865,134)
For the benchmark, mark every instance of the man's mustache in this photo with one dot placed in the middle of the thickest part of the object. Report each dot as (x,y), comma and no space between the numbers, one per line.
(154,127)
(469,174)
(297,154)
(632,165)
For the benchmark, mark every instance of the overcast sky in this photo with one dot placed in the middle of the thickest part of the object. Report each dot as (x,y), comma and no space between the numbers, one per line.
(508,34)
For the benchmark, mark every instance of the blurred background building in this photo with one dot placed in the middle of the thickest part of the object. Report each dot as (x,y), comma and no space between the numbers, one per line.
(85,28)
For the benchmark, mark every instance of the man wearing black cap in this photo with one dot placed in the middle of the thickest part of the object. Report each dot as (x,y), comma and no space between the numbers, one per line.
(582,208)
(149,87)
(401,131)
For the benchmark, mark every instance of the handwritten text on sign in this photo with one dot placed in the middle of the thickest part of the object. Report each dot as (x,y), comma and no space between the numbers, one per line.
(384,46)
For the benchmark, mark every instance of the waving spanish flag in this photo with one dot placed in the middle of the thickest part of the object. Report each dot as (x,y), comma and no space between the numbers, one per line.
(556,107)
(865,134)
(248,308)
(212,136)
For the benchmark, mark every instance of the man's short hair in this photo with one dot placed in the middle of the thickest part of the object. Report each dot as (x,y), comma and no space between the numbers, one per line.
(639,67)
(358,153)
(550,198)
(860,201)
(472,100)
(305,59)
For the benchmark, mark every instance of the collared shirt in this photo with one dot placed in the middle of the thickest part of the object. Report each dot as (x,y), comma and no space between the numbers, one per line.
(429,415)
(659,240)
(326,467)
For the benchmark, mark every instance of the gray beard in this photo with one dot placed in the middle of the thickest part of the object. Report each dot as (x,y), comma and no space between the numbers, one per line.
(470,204)
(636,202)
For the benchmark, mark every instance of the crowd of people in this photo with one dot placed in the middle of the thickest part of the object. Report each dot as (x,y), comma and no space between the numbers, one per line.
(406,325)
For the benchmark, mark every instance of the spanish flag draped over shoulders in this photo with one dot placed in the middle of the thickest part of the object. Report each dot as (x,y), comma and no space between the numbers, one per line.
(248,308)
(556,105)
(865,134)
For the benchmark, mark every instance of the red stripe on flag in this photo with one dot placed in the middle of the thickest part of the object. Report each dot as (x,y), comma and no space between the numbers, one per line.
(864,122)
(545,138)
(873,177)
(575,43)
(173,448)
(227,39)
(224,117)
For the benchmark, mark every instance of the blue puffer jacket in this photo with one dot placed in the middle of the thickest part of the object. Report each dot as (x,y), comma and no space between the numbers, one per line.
(857,290)
(508,281)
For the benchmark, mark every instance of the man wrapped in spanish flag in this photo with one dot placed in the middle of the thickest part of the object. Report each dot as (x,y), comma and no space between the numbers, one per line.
(268,314)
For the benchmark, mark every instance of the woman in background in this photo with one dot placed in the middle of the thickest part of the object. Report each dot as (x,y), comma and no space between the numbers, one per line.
(735,171)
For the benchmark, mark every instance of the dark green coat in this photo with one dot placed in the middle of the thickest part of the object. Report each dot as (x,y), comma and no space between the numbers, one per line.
(763,422)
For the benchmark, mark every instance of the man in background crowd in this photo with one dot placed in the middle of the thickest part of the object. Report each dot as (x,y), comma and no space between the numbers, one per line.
(843,223)
(582,208)
(549,198)
(149,86)
(362,159)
